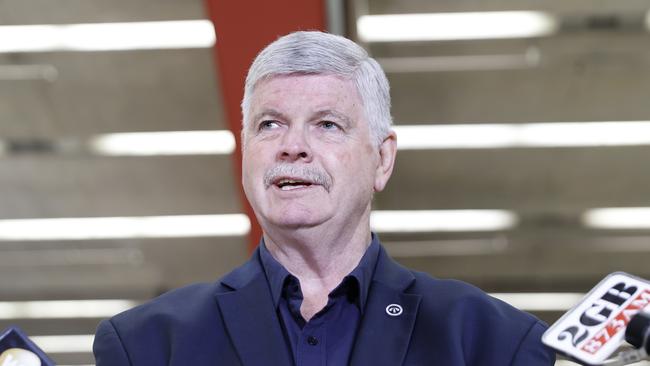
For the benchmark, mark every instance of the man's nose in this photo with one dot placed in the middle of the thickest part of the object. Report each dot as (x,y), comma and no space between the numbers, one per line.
(295,145)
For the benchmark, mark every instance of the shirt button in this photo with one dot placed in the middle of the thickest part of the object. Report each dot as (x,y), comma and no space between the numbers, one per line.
(312,341)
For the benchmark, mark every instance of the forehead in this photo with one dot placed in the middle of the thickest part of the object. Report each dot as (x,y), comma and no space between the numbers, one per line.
(318,91)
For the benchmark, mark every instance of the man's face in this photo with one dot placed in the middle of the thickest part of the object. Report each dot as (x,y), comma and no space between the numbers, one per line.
(308,158)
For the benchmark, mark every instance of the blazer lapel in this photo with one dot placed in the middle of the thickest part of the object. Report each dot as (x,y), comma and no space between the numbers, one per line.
(250,318)
(383,339)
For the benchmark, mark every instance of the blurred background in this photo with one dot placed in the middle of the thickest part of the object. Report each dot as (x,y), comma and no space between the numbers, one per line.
(522,127)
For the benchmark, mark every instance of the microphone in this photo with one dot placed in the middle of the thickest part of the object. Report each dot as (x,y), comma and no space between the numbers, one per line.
(16,349)
(638,331)
(595,328)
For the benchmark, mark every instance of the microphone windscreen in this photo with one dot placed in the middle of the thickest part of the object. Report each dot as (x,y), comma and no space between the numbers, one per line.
(17,349)
(638,331)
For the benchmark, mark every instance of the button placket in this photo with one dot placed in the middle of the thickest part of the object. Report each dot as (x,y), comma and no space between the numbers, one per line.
(311,347)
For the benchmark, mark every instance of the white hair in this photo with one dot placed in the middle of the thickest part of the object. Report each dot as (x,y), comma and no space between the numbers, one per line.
(313,52)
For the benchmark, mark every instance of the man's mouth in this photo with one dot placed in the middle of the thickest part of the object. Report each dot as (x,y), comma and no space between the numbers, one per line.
(288,184)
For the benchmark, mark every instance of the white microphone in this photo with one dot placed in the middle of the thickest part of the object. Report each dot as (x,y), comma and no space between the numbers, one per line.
(612,312)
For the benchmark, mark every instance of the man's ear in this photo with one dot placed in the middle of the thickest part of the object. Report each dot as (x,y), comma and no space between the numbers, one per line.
(387,153)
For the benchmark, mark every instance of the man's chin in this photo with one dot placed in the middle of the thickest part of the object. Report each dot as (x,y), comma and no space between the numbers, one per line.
(295,222)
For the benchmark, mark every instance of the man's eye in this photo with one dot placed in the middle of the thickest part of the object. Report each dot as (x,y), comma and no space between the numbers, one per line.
(329,125)
(267,125)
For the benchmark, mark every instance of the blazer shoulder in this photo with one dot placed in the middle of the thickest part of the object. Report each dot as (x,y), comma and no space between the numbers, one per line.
(455,294)
(174,324)
(479,323)
(177,303)
(186,303)
(180,325)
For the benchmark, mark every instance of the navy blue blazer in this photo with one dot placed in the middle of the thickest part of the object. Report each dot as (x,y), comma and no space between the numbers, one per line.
(234,322)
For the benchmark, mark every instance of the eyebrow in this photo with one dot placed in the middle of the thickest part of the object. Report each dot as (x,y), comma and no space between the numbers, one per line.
(319,114)
(332,113)
(270,113)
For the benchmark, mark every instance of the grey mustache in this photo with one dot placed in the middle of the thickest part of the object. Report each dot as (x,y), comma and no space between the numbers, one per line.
(303,172)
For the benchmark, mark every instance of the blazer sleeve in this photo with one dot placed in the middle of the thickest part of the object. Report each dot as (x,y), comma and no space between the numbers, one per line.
(108,348)
(531,351)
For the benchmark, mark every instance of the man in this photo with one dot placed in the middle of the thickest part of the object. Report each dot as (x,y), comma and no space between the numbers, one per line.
(320,289)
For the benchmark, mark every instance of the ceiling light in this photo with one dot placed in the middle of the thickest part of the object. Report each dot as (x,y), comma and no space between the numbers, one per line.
(559,134)
(164,143)
(441,220)
(63,309)
(455,26)
(541,301)
(107,36)
(618,218)
(65,343)
(124,227)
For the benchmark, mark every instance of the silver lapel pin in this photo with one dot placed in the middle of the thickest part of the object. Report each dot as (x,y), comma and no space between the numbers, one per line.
(394,310)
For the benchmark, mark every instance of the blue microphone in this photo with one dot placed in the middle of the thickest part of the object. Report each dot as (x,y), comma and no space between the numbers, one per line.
(16,349)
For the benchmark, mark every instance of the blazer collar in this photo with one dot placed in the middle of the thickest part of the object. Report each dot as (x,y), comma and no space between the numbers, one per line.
(391,273)
(243,275)
(250,317)
(383,338)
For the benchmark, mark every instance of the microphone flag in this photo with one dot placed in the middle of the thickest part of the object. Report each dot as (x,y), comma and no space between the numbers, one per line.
(595,328)
(16,349)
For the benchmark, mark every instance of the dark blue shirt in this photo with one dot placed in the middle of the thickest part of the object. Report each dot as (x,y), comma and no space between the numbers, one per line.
(328,337)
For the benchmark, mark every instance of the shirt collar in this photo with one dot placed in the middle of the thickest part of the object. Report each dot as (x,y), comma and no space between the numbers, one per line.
(276,274)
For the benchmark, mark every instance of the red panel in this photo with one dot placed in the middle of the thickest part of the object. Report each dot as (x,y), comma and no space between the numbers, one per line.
(243,28)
